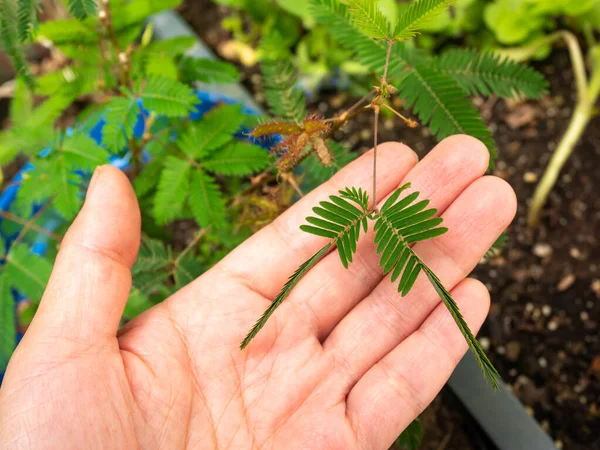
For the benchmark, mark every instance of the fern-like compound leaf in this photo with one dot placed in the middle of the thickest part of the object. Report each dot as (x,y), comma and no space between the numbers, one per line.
(285,292)
(207,71)
(411,437)
(82,9)
(28,21)
(215,130)
(441,103)
(9,37)
(488,369)
(168,97)
(206,200)
(284,97)
(121,116)
(369,19)
(400,223)
(237,158)
(336,17)
(496,247)
(341,220)
(417,15)
(486,73)
(172,191)
(27,272)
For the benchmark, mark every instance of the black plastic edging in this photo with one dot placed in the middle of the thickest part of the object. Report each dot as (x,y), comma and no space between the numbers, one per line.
(499,413)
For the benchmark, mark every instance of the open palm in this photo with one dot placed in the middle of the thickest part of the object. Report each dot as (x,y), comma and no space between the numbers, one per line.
(344,363)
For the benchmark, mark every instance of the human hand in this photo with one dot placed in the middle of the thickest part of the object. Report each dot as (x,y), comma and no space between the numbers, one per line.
(344,363)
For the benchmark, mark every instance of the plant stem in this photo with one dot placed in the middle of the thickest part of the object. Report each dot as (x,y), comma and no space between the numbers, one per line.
(30,223)
(587,95)
(16,219)
(375,107)
(579,121)
(194,242)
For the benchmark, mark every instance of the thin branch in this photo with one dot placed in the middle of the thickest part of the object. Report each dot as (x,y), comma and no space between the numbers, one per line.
(193,243)
(387,61)
(375,105)
(29,224)
(16,219)
(409,122)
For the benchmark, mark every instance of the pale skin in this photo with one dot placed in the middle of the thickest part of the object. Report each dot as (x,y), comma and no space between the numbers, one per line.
(344,363)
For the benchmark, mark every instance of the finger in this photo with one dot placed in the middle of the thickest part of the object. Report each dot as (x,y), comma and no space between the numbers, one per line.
(380,322)
(327,293)
(91,278)
(278,249)
(399,387)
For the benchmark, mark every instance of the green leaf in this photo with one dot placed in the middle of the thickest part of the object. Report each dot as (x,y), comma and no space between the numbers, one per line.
(27,272)
(206,200)
(28,21)
(147,179)
(173,189)
(411,437)
(132,13)
(152,256)
(8,322)
(168,97)
(396,227)
(369,53)
(68,31)
(173,46)
(187,270)
(284,97)
(488,369)
(207,70)
(121,116)
(21,105)
(9,38)
(441,103)
(82,9)
(237,158)
(496,247)
(137,303)
(369,19)
(216,129)
(485,73)
(340,220)
(81,152)
(287,288)
(418,15)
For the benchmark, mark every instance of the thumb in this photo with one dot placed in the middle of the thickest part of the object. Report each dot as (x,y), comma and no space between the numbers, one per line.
(91,279)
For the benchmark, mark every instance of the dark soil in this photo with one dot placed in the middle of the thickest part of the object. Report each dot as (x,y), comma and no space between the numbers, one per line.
(542,332)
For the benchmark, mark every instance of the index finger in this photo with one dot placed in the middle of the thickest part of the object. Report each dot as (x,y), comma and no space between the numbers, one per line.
(268,258)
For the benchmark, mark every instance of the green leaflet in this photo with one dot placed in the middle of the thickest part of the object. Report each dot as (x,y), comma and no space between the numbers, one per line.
(121,116)
(28,271)
(341,221)
(399,222)
(8,322)
(417,15)
(287,288)
(206,200)
(207,71)
(284,97)
(441,103)
(82,9)
(173,188)
(167,97)
(369,19)
(237,158)
(485,73)
(216,129)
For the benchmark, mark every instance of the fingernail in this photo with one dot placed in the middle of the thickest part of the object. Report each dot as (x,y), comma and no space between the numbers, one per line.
(94,179)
